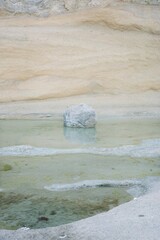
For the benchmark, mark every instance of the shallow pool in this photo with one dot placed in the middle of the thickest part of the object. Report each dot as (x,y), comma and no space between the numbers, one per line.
(51,175)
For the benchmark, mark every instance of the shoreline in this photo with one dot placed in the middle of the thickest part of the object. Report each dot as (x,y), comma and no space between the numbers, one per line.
(106,107)
(135,220)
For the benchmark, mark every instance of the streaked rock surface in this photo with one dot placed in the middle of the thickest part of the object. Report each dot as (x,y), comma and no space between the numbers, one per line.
(101,56)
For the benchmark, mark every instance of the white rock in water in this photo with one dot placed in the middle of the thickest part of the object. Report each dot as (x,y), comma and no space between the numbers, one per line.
(80,116)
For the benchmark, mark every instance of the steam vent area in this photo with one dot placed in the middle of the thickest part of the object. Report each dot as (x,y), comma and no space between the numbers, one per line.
(79,119)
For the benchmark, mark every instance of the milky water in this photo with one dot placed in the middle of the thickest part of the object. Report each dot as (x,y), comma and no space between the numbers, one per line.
(50,175)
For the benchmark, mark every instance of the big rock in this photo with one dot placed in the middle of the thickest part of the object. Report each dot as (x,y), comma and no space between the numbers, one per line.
(80,116)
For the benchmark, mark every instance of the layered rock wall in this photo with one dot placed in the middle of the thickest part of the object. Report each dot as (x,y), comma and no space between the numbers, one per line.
(108,52)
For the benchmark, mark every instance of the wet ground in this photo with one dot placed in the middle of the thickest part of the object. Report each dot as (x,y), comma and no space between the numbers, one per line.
(31,179)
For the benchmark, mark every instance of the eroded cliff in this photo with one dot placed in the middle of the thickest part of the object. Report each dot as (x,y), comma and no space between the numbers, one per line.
(103,51)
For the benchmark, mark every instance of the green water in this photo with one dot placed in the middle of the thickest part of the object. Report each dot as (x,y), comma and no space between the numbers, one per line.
(37,172)
(49,133)
(37,208)
(24,201)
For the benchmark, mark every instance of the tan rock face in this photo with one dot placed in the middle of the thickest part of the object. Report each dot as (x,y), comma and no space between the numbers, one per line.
(102,51)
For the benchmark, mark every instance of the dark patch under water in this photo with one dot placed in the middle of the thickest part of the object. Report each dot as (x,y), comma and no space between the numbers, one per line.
(56,208)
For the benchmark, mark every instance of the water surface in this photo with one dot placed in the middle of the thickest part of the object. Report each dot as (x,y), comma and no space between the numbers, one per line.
(51,175)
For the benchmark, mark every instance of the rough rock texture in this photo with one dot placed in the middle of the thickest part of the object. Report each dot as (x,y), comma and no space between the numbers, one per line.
(80,116)
(48,7)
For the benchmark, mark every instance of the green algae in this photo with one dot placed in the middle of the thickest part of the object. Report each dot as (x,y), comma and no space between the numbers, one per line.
(45,209)
(6,167)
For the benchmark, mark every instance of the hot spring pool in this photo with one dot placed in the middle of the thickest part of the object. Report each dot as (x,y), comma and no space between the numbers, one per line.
(50,175)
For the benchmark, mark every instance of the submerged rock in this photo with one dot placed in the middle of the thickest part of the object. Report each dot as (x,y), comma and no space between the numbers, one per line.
(43,218)
(80,116)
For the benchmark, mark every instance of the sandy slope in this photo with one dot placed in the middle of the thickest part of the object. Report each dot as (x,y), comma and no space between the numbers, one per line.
(111,54)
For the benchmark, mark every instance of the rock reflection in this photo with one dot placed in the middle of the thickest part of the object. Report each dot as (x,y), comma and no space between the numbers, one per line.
(80,135)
